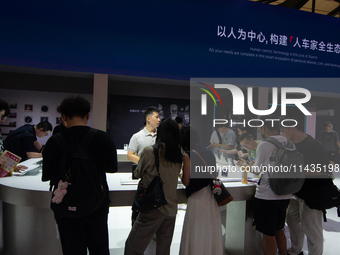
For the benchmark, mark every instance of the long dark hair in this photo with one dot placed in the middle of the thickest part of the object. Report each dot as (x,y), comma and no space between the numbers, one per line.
(168,135)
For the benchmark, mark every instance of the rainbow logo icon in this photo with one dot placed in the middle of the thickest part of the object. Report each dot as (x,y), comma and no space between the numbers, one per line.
(210,94)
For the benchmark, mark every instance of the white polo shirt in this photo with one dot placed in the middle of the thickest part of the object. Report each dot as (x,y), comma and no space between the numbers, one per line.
(140,140)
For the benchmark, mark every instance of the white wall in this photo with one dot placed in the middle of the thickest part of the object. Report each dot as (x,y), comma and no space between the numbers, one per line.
(37,99)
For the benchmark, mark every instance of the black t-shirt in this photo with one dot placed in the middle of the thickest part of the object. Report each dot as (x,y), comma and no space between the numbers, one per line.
(313,153)
(101,147)
(329,140)
(58,129)
(199,180)
(21,141)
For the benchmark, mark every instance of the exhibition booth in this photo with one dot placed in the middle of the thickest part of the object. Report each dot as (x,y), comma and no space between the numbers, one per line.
(27,215)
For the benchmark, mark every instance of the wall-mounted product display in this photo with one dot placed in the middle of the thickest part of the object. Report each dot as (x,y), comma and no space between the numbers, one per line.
(58,120)
(28,108)
(13,106)
(44,108)
(28,119)
(43,118)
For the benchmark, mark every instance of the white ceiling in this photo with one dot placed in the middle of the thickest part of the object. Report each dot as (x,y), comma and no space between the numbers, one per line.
(324,7)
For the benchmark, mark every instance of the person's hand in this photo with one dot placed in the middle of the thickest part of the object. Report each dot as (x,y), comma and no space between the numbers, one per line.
(240,154)
(241,162)
(20,168)
(214,145)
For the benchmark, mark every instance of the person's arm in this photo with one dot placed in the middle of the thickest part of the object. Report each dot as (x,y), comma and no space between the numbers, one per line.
(111,157)
(132,157)
(225,146)
(337,140)
(186,170)
(33,154)
(50,163)
(232,151)
(30,144)
(132,150)
(37,145)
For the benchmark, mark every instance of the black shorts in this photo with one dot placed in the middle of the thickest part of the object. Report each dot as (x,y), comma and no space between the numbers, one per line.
(269,215)
(331,155)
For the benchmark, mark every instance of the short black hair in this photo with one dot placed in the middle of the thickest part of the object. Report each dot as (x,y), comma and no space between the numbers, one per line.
(179,120)
(244,136)
(326,123)
(74,107)
(150,110)
(271,125)
(4,106)
(45,125)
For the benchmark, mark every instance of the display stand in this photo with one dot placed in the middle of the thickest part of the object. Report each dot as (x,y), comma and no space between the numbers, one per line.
(29,225)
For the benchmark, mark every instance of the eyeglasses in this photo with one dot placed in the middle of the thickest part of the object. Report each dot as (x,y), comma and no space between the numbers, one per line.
(3,117)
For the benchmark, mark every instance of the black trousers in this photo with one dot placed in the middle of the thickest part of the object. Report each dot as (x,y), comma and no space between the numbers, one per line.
(89,232)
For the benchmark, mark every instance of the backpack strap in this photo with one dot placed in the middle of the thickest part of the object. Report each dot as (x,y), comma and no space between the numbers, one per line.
(88,137)
(60,140)
(199,155)
(290,146)
(219,136)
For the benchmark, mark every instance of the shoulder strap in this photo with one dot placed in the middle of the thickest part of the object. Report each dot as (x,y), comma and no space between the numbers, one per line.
(289,146)
(219,136)
(155,150)
(274,141)
(88,137)
(203,162)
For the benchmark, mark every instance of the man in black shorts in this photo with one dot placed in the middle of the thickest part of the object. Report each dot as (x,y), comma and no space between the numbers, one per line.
(269,208)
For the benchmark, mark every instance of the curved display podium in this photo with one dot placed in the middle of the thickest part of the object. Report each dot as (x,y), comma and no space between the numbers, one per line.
(29,226)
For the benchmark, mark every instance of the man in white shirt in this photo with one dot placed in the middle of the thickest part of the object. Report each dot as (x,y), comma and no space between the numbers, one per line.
(145,137)
(269,208)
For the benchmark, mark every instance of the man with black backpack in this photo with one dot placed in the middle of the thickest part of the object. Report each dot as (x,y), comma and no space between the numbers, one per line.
(301,219)
(269,208)
(75,162)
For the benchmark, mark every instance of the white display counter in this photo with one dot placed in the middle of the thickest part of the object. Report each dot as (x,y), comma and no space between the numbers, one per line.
(29,226)
(122,155)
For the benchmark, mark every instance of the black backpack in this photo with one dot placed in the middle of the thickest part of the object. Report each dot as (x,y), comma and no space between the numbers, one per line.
(85,192)
(324,196)
(291,176)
